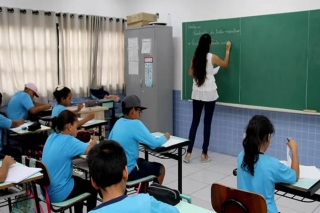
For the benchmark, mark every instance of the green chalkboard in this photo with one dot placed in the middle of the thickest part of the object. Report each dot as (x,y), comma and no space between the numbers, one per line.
(274,60)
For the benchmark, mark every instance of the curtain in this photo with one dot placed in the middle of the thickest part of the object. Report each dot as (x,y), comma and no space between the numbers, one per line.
(28,51)
(91,53)
(76,51)
(110,57)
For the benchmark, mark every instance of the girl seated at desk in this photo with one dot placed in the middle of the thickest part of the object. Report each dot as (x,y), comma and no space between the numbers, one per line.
(258,172)
(63,96)
(58,152)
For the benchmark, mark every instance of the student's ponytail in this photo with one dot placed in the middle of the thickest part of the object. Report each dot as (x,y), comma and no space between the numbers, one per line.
(257,132)
(65,117)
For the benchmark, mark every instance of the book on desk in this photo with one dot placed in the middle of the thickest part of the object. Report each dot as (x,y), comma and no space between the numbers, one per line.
(18,172)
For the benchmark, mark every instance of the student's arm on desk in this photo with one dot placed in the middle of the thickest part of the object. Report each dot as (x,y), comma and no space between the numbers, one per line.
(160,207)
(17,123)
(6,163)
(37,109)
(292,144)
(89,117)
(142,134)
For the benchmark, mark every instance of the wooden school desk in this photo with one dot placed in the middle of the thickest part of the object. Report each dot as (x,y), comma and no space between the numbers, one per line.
(31,180)
(169,151)
(303,190)
(98,110)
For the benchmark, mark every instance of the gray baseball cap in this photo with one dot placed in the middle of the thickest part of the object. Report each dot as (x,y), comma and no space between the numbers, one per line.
(132,101)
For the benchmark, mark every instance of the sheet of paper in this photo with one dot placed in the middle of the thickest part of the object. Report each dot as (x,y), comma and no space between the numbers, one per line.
(146,46)
(133,68)
(171,142)
(18,173)
(21,126)
(133,49)
(306,172)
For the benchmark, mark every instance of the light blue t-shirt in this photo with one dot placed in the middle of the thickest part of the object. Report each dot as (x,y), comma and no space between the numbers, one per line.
(5,123)
(142,203)
(267,172)
(58,152)
(19,105)
(128,133)
(57,109)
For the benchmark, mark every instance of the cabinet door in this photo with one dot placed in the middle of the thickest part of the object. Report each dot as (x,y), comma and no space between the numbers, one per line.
(133,82)
(148,98)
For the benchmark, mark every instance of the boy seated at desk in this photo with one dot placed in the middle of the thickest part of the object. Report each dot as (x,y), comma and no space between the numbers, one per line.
(21,103)
(129,131)
(109,173)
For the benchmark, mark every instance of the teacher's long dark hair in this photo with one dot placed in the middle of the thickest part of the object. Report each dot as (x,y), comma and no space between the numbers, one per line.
(257,132)
(199,61)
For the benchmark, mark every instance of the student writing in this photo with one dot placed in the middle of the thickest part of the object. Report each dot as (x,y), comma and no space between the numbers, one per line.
(109,173)
(258,172)
(63,95)
(22,103)
(58,152)
(129,132)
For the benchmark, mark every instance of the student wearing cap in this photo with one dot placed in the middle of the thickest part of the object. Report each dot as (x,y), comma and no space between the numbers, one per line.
(21,103)
(129,131)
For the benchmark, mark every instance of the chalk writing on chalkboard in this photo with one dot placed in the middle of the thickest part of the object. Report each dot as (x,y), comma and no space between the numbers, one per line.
(194,27)
(214,42)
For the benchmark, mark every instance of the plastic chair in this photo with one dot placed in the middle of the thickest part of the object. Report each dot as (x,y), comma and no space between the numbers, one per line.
(44,184)
(225,199)
(140,182)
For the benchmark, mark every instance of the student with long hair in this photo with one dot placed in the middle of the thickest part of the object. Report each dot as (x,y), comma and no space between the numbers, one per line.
(63,96)
(58,152)
(258,172)
(204,91)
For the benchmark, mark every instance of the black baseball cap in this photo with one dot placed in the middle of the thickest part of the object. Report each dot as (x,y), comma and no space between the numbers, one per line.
(132,101)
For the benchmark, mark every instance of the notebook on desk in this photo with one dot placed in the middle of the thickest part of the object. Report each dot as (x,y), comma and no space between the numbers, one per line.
(172,141)
(18,173)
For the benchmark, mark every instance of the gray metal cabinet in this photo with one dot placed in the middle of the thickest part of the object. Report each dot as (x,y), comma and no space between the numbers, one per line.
(156,94)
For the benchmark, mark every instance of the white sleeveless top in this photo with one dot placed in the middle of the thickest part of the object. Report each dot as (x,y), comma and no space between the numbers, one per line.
(208,90)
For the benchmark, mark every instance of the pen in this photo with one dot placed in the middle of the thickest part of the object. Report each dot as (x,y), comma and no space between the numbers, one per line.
(288,139)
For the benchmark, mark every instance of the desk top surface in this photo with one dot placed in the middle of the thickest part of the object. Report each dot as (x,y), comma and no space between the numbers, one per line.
(172,141)
(20,131)
(88,109)
(185,207)
(93,122)
(34,177)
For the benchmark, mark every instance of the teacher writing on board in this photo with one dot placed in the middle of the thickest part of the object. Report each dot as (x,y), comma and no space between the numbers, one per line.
(204,91)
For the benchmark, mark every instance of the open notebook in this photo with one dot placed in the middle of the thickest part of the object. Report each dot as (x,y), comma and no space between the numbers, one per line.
(306,172)
(172,141)
(18,173)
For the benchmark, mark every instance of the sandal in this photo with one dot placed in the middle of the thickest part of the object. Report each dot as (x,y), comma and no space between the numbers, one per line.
(187,158)
(205,158)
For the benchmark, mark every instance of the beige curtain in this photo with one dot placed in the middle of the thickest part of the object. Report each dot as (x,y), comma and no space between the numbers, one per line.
(75,52)
(28,51)
(110,57)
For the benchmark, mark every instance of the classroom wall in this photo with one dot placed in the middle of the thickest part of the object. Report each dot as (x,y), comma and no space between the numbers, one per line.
(192,10)
(229,123)
(111,8)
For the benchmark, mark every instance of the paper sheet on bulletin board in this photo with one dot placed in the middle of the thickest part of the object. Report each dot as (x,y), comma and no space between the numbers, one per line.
(148,71)
(133,56)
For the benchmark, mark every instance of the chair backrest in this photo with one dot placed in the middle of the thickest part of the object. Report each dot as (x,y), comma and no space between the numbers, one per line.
(45,181)
(236,201)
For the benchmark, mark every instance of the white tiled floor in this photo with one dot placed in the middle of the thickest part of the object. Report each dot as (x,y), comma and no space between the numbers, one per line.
(198,178)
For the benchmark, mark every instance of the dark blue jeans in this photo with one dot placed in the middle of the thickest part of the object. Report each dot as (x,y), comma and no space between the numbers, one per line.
(208,113)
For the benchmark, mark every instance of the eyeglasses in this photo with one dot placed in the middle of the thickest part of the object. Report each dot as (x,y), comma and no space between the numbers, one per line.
(59,88)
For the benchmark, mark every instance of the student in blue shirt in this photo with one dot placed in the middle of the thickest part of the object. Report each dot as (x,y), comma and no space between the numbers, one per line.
(58,152)
(258,172)
(21,103)
(6,123)
(63,96)
(109,173)
(129,131)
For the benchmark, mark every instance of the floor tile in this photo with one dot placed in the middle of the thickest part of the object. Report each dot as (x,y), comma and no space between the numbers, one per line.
(187,169)
(222,168)
(230,181)
(189,186)
(207,177)
(203,194)
(296,205)
(169,178)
